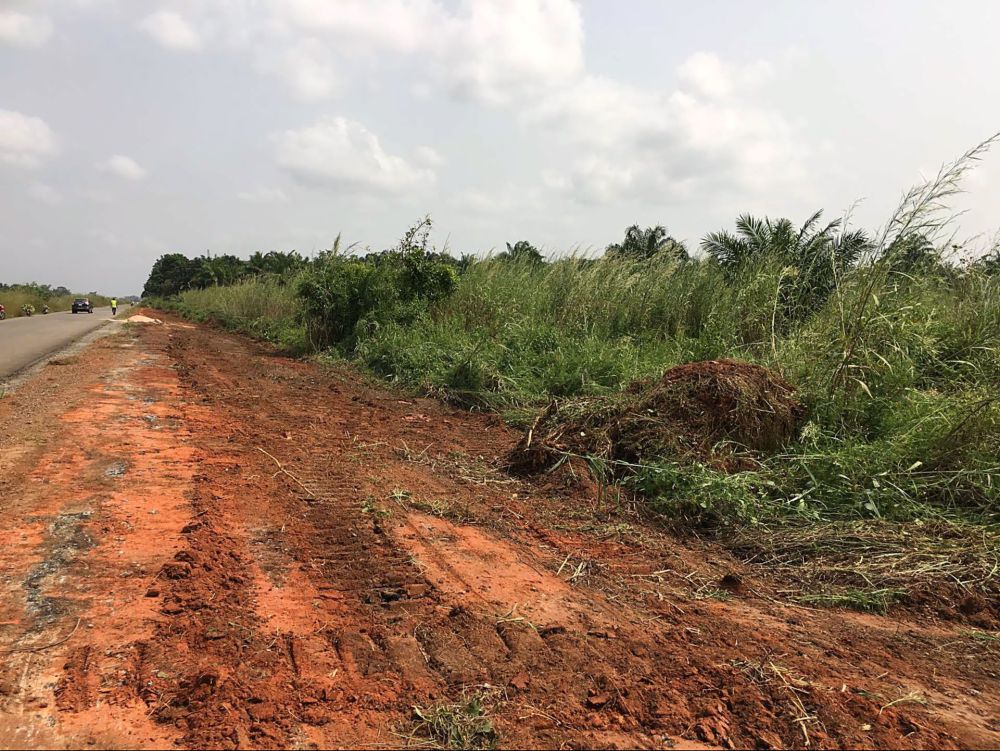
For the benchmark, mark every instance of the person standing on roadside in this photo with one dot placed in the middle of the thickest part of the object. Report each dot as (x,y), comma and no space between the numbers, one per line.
(114,306)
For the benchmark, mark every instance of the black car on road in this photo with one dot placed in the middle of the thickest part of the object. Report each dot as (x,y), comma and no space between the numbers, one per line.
(82,305)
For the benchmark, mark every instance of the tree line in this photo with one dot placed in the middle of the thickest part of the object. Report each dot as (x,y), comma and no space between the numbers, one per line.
(815,254)
(43,291)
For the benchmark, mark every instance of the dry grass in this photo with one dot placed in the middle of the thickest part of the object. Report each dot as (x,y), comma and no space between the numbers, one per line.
(719,411)
(869,565)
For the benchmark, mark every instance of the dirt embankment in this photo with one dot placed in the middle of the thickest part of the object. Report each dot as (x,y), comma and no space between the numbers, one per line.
(207,545)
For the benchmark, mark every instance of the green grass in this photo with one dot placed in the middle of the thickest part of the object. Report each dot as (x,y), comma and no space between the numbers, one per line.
(461,725)
(982,637)
(264,307)
(864,600)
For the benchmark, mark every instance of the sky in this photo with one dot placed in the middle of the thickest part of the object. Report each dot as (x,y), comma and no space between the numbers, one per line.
(132,128)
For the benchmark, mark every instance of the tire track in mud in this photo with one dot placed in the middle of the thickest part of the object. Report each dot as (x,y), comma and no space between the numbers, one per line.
(417,621)
(209,670)
(406,644)
(327,570)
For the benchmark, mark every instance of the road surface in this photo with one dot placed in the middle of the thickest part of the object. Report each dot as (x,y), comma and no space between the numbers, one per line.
(24,340)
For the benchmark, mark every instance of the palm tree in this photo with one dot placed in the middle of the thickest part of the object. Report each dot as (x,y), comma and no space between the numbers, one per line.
(273,262)
(913,252)
(214,271)
(643,244)
(524,252)
(818,255)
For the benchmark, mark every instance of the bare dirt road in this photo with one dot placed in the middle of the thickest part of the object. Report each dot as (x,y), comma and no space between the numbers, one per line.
(25,339)
(206,545)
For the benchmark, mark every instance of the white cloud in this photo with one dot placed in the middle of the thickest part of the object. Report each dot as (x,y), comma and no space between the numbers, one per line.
(397,25)
(501,50)
(708,133)
(172,31)
(123,167)
(308,70)
(97,195)
(263,195)
(22,30)
(495,51)
(25,141)
(105,236)
(427,156)
(504,200)
(488,50)
(342,154)
(707,75)
(45,194)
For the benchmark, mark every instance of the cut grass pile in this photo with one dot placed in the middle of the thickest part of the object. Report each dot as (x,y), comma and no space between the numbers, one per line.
(718,412)
(871,565)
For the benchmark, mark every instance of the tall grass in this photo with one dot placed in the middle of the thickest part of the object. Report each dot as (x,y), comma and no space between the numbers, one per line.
(910,434)
(519,332)
(265,307)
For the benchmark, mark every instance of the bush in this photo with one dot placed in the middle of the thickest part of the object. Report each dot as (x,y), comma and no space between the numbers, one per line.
(345,299)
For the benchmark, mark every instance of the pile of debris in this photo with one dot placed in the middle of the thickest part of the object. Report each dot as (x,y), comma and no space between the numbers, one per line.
(139,318)
(719,412)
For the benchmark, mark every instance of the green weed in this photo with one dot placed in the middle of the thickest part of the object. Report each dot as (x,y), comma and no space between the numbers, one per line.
(462,725)
(867,601)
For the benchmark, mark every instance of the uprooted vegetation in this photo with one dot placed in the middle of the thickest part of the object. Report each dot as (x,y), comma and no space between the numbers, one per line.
(815,385)
(464,724)
(719,412)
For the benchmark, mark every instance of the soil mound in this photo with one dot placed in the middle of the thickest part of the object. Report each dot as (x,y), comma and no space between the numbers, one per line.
(721,412)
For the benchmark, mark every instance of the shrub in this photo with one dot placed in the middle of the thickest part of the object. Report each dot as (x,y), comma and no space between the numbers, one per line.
(345,298)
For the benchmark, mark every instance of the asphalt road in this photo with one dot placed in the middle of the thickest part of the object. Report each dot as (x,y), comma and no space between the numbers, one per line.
(25,340)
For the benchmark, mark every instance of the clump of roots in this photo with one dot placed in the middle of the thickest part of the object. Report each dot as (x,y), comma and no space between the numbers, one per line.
(720,412)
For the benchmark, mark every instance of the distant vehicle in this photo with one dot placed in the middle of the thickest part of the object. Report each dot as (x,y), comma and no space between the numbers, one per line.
(3,312)
(82,305)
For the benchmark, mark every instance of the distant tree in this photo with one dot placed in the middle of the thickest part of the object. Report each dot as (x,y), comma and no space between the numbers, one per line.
(216,271)
(41,291)
(343,294)
(464,262)
(644,244)
(523,252)
(989,263)
(274,262)
(171,274)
